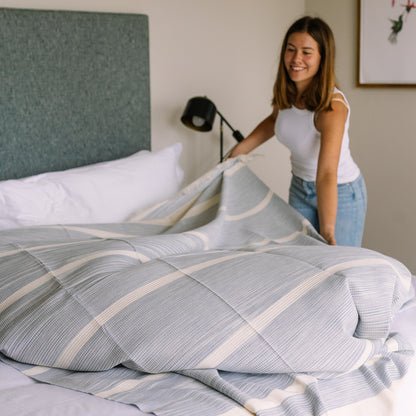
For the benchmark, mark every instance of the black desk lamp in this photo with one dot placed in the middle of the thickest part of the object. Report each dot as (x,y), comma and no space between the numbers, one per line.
(199,115)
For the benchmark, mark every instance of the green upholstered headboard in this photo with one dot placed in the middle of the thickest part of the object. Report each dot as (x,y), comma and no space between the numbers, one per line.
(74,89)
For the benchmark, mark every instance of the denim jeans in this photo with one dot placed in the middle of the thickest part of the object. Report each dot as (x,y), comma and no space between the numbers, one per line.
(352,205)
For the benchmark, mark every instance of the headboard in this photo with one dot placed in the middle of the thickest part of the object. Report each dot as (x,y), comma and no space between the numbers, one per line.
(74,89)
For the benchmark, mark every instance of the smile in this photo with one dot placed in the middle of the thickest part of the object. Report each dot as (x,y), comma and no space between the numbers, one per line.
(296,68)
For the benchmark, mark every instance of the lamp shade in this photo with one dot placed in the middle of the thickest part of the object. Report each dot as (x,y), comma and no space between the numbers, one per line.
(199,114)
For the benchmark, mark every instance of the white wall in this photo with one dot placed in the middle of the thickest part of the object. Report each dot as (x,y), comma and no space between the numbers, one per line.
(225,49)
(383,141)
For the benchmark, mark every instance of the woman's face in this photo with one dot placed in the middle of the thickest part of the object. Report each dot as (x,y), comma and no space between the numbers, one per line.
(302,59)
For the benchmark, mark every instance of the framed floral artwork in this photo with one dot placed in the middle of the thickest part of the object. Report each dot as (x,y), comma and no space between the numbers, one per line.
(386,43)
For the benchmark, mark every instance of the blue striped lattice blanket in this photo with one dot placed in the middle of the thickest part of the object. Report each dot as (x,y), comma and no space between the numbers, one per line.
(219,301)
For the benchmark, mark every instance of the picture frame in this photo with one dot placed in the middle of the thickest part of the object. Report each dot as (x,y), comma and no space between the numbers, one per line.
(386,50)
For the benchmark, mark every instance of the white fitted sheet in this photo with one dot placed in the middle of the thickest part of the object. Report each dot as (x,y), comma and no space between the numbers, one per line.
(22,396)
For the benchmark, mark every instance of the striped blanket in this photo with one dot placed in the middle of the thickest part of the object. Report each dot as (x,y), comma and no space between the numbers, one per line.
(219,301)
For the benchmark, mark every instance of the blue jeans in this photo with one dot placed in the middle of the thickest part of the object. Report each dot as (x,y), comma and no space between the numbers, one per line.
(352,205)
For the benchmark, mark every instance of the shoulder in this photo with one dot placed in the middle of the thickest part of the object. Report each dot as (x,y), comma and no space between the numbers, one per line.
(338,97)
(337,116)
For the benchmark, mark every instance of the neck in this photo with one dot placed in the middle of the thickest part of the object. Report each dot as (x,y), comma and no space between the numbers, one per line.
(300,101)
(300,89)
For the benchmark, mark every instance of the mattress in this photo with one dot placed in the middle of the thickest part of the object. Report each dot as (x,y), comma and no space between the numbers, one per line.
(22,396)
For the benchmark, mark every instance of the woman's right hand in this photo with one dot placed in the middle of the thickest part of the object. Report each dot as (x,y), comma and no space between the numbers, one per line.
(238,150)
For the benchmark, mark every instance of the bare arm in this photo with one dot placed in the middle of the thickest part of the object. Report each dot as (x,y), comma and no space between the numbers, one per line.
(263,132)
(331,126)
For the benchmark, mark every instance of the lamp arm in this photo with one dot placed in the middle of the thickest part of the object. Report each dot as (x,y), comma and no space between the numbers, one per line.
(236,134)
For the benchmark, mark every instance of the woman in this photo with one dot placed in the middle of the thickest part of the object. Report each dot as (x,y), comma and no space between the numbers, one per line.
(311,117)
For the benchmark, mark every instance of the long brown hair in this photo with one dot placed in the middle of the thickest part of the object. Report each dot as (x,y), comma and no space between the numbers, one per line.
(319,93)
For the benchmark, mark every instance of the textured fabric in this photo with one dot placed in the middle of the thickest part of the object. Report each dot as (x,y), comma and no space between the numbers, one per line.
(352,206)
(295,128)
(74,89)
(220,301)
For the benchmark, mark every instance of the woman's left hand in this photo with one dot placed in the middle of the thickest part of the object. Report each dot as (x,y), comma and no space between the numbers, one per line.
(330,238)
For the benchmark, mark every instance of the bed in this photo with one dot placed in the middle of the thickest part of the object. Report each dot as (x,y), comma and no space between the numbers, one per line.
(123,293)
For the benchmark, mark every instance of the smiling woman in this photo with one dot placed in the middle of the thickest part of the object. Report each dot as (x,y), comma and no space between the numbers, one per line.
(311,117)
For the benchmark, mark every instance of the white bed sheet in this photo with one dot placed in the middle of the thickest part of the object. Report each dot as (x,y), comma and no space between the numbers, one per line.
(22,396)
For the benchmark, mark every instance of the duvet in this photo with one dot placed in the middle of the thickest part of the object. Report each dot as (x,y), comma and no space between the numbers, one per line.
(219,301)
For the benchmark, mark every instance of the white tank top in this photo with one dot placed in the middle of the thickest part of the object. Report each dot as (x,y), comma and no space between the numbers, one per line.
(295,128)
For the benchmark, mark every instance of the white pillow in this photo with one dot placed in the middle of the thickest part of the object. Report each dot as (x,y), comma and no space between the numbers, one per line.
(100,193)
